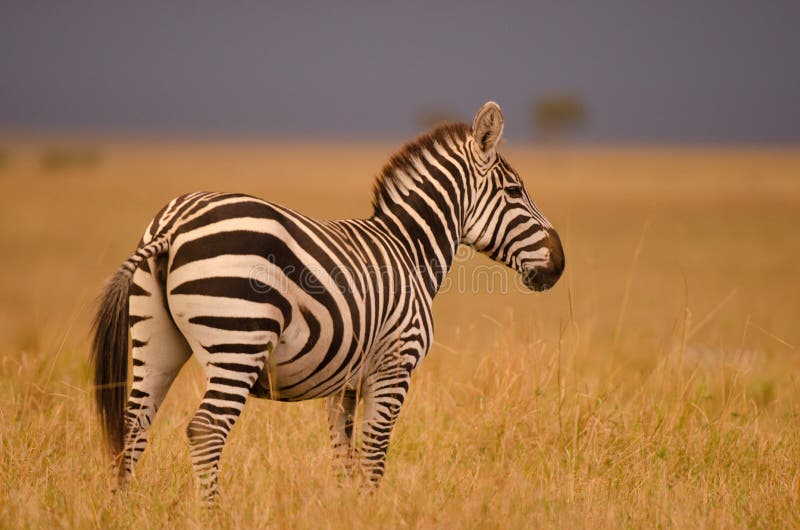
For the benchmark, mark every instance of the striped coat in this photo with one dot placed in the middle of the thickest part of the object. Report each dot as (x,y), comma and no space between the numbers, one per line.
(277,305)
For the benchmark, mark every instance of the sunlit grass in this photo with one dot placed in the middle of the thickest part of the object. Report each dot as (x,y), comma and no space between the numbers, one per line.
(656,386)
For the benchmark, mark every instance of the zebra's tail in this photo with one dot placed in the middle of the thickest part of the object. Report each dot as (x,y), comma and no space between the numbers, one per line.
(109,357)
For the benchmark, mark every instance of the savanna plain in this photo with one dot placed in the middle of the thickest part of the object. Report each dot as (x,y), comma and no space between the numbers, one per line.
(657,385)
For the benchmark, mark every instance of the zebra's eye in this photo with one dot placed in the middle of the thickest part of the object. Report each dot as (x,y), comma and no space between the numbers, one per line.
(513,191)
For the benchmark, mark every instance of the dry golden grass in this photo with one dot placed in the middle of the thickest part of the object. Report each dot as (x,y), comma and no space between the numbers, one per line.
(655,386)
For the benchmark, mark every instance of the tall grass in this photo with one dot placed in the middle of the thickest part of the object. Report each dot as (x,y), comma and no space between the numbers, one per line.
(656,386)
(520,434)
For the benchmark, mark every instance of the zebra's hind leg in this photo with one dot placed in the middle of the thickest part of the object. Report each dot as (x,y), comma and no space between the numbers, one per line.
(341,415)
(230,374)
(159,352)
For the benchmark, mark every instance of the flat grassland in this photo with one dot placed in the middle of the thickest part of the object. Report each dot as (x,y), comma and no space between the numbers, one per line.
(655,386)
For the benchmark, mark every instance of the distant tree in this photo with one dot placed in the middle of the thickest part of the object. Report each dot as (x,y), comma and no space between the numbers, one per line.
(554,116)
(430,116)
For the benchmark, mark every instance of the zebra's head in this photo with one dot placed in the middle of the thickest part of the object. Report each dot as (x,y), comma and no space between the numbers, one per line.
(501,220)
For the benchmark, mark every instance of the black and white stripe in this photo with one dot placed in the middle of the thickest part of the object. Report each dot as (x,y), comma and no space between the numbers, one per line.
(281,306)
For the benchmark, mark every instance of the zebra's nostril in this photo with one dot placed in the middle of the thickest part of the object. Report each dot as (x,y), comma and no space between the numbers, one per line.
(540,278)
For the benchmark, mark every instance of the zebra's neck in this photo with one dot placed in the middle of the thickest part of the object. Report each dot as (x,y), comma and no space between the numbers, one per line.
(419,199)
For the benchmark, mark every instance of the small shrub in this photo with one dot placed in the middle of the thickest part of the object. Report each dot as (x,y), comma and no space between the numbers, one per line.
(64,158)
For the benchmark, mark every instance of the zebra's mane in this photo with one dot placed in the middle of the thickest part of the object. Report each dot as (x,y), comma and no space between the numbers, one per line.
(393,172)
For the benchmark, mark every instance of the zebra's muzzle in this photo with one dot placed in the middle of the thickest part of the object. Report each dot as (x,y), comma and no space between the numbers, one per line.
(542,278)
(530,277)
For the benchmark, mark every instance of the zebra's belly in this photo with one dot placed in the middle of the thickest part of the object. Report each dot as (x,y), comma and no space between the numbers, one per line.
(311,360)
(295,373)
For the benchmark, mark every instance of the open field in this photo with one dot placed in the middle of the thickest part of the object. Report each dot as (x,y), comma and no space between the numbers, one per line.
(657,385)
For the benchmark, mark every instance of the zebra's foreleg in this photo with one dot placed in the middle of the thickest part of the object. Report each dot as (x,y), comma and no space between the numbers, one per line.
(383,399)
(341,414)
(229,378)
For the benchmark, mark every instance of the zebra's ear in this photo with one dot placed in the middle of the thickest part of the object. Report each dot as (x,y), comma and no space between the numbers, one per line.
(487,127)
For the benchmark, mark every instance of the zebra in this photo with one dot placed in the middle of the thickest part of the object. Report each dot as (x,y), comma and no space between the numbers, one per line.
(276,305)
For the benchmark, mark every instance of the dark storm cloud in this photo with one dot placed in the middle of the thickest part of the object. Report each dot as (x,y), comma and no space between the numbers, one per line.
(675,71)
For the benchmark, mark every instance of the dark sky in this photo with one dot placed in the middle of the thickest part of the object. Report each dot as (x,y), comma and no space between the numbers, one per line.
(677,71)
